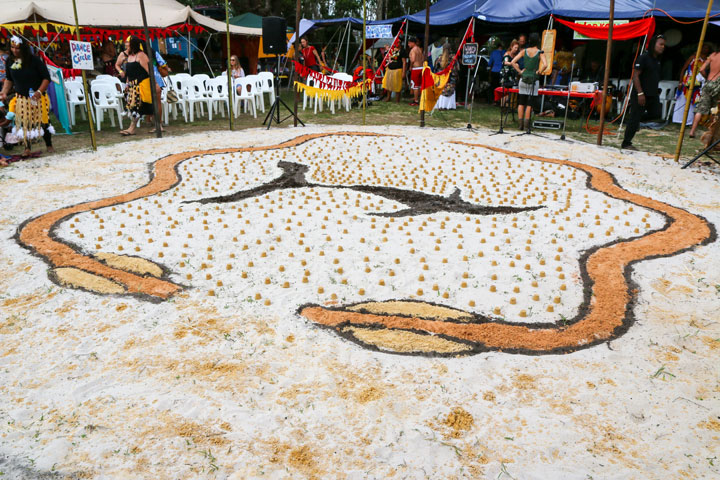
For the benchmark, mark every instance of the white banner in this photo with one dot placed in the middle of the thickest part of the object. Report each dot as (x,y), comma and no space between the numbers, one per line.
(81,54)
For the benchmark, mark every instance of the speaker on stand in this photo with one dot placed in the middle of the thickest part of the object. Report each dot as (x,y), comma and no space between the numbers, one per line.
(275,42)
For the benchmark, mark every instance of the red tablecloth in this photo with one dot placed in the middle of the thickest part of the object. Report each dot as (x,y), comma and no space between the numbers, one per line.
(555,93)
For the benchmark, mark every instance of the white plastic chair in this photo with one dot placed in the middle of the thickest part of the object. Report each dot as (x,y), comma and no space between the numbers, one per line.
(195,94)
(268,85)
(202,77)
(259,100)
(666,91)
(217,95)
(623,88)
(75,95)
(247,95)
(104,98)
(178,82)
(115,82)
(313,100)
(346,99)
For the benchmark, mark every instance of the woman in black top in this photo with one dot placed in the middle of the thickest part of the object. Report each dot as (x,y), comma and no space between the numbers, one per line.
(139,98)
(30,78)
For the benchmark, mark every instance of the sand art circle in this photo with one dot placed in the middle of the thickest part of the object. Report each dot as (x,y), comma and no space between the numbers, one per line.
(400,244)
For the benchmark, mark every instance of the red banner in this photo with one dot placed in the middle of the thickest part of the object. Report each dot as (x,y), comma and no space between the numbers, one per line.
(394,44)
(623,31)
(67,72)
(322,81)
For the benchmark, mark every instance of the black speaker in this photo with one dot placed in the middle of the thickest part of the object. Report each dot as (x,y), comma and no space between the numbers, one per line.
(273,32)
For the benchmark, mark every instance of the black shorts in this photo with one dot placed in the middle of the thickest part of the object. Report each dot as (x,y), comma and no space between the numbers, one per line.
(523,100)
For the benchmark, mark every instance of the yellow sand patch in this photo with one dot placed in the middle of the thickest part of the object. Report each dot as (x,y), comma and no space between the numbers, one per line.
(131,264)
(73,277)
(404,341)
(412,309)
(459,421)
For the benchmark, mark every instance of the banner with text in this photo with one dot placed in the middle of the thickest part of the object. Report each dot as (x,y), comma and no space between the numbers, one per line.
(81,54)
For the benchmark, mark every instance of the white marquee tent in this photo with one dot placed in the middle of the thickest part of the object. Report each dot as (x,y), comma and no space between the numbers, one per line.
(112,14)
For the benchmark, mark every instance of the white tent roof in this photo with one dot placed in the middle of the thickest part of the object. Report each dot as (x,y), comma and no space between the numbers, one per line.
(112,13)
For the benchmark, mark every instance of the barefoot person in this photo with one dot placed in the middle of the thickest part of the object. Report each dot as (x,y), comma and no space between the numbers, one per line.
(710,94)
(30,78)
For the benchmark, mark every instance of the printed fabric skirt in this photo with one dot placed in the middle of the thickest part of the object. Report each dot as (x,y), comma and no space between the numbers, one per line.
(138,98)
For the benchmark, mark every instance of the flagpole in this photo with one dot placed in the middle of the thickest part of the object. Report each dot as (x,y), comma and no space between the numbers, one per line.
(364,86)
(297,50)
(691,87)
(85,86)
(229,69)
(157,109)
(425,52)
(606,78)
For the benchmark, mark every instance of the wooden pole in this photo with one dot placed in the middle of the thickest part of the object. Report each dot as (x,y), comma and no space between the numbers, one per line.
(688,95)
(364,86)
(157,109)
(426,44)
(297,50)
(189,53)
(88,105)
(606,79)
(229,68)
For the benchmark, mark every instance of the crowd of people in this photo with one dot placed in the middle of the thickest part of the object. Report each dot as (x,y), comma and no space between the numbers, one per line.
(24,80)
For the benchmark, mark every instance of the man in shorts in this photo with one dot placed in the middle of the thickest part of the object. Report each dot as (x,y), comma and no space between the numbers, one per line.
(416,66)
(710,94)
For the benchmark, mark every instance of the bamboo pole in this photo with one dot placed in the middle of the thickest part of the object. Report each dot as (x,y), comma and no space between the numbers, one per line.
(297,50)
(229,69)
(426,44)
(688,95)
(606,79)
(364,86)
(88,105)
(157,108)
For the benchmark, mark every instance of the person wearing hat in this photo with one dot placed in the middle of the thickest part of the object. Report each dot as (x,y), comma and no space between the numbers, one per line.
(30,78)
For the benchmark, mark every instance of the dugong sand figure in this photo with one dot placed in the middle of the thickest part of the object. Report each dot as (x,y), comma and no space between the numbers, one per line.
(399,325)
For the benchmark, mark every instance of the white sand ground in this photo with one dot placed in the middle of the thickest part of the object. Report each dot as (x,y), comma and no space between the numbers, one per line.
(225,386)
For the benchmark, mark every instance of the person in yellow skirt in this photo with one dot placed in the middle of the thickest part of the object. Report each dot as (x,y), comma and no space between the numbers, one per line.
(395,73)
(29,77)
(138,93)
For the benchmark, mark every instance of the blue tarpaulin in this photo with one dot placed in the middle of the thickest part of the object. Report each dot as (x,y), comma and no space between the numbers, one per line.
(450,12)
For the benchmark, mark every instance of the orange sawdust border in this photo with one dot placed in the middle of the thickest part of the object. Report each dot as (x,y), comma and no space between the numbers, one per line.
(609,292)
(36,234)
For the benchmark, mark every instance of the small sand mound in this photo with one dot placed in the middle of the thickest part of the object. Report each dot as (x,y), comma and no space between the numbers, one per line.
(459,421)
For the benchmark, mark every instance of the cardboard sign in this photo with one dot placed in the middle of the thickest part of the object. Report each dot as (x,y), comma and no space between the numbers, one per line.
(378,31)
(81,54)
(548,46)
(470,54)
(595,23)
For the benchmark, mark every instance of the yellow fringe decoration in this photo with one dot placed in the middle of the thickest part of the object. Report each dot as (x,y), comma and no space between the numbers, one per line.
(333,95)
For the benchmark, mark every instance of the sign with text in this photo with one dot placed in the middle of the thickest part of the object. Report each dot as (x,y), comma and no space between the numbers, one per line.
(595,23)
(470,54)
(81,54)
(378,31)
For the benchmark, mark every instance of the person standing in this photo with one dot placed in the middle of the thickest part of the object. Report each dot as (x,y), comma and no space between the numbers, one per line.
(496,66)
(3,64)
(710,94)
(138,93)
(534,60)
(311,57)
(645,99)
(684,85)
(416,65)
(30,78)
(395,73)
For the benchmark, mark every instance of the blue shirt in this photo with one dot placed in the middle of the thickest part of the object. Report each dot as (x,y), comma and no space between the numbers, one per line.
(496,60)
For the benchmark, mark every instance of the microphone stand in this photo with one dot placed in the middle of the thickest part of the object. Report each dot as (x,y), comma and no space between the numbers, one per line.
(567,103)
(503,104)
